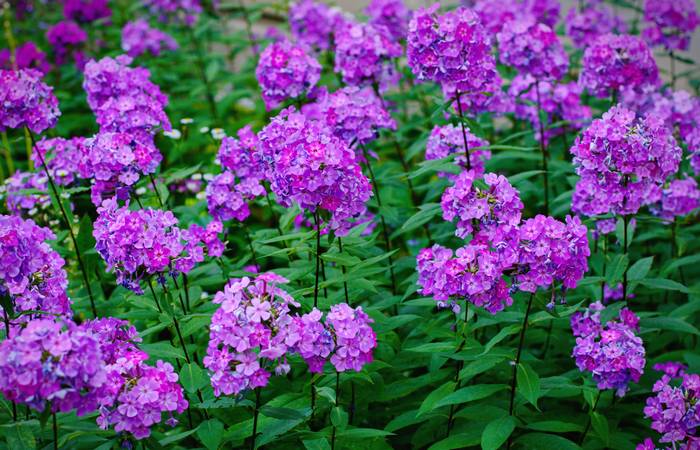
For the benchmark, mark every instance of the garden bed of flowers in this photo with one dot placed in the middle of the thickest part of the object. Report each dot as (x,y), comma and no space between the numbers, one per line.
(230,224)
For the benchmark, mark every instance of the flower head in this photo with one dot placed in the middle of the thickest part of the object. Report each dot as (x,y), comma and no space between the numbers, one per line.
(138,38)
(449,139)
(670,24)
(26,101)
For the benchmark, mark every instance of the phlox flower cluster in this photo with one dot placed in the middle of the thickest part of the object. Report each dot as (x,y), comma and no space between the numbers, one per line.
(544,11)
(64,158)
(26,101)
(560,101)
(354,338)
(494,211)
(185,12)
(448,139)
(495,15)
(27,56)
(138,37)
(454,50)
(250,333)
(21,203)
(622,160)
(52,362)
(532,48)
(596,18)
(86,10)
(307,164)
(32,274)
(146,242)
(365,55)
(390,14)
(670,24)
(474,272)
(673,408)
(115,161)
(314,343)
(612,62)
(680,198)
(67,37)
(313,23)
(551,251)
(611,352)
(286,71)
(123,98)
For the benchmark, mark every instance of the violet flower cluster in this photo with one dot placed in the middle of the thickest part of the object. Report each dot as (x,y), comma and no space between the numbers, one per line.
(138,38)
(286,71)
(532,48)
(64,158)
(611,352)
(67,38)
(32,274)
(670,23)
(595,19)
(354,338)
(390,14)
(313,23)
(21,203)
(623,160)
(365,55)
(673,408)
(446,140)
(86,10)
(680,198)
(26,101)
(307,164)
(612,62)
(27,56)
(495,15)
(185,12)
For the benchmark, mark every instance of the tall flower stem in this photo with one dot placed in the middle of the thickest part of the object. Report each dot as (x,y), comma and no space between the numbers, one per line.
(55,431)
(675,251)
(318,255)
(203,75)
(8,154)
(28,145)
(250,246)
(337,398)
(249,29)
(605,263)
(385,230)
(458,95)
(460,365)
(69,225)
(588,423)
(256,413)
(543,149)
(672,57)
(625,244)
(514,378)
(342,269)
(155,189)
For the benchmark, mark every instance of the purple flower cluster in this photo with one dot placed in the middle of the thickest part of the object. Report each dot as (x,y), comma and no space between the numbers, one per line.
(611,352)
(26,101)
(181,11)
(495,15)
(474,272)
(86,10)
(123,98)
(313,23)
(314,343)
(595,19)
(551,251)
(673,409)
(493,212)
(670,24)
(390,14)
(115,161)
(612,62)
(250,332)
(532,48)
(65,158)
(622,160)
(137,244)
(454,50)
(24,204)
(307,164)
(354,338)
(52,362)
(32,274)
(27,56)
(286,71)
(364,55)
(138,38)
(448,139)
(680,198)
(67,37)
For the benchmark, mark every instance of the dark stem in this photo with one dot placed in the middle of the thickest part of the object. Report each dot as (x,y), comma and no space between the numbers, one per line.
(514,378)
(543,150)
(337,397)
(155,297)
(155,189)
(675,251)
(185,285)
(203,75)
(673,70)
(256,412)
(252,249)
(351,412)
(249,29)
(272,211)
(464,130)
(588,424)
(625,240)
(55,431)
(177,328)
(605,263)
(460,365)
(342,268)
(59,200)
(318,255)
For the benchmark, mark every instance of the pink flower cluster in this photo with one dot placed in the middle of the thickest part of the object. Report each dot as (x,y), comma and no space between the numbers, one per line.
(32,274)
(670,23)
(67,37)
(65,158)
(612,62)
(622,160)
(448,139)
(680,198)
(123,98)
(611,352)
(21,203)
(390,14)
(493,212)
(181,11)
(495,15)
(138,38)
(307,164)
(86,10)
(286,71)
(673,409)
(532,48)
(313,23)
(27,56)
(595,19)
(365,54)
(354,338)
(137,244)
(314,343)
(551,251)
(26,101)
(452,49)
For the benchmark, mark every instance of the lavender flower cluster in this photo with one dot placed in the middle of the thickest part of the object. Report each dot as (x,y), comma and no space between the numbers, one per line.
(448,140)
(138,37)
(26,101)
(670,24)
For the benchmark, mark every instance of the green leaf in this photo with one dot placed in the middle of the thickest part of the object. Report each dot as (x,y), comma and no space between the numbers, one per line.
(546,441)
(524,176)
(497,432)
(528,383)
(665,284)
(339,418)
(363,433)
(640,269)
(285,413)
(555,426)
(192,377)
(616,269)
(84,239)
(435,396)
(668,324)
(174,438)
(600,425)
(210,432)
(470,394)
(20,437)
(425,214)
(504,333)
(162,350)
(317,444)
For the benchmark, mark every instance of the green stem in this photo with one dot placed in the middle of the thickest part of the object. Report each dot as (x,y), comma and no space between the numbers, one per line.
(256,413)
(342,269)
(588,424)
(337,398)
(464,130)
(514,378)
(543,150)
(55,431)
(318,255)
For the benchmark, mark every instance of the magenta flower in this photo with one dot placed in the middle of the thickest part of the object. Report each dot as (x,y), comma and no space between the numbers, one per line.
(86,10)
(680,198)
(314,342)
(27,56)
(355,339)
(67,38)
(670,24)
(185,12)
(26,101)
(390,14)
(138,38)
(21,203)
(65,158)
(313,23)
(596,19)
(448,139)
